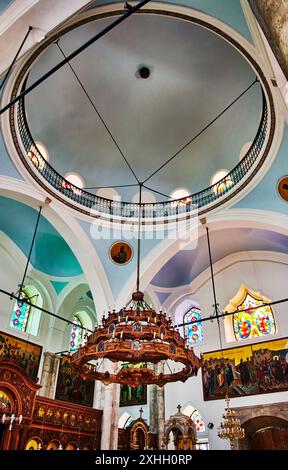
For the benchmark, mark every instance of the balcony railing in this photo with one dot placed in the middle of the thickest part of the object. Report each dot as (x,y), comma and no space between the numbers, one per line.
(111,209)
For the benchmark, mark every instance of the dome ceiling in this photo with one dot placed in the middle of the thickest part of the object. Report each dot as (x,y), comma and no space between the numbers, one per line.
(194,75)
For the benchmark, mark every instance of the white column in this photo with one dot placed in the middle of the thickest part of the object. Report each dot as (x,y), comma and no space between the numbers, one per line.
(49,375)
(160,409)
(107,417)
(98,395)
(115,417)
(153,414)
(110,397)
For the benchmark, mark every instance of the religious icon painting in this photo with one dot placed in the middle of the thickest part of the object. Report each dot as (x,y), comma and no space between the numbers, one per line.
(137,395)
(26,355)
(71,387)
(283,188)
(246,370)
(121,252)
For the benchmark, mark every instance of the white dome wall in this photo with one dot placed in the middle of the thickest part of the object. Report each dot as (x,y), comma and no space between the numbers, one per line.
(268,277)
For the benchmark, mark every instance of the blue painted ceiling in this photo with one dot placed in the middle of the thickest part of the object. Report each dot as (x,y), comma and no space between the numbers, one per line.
(59,286)
(103,239)
(265,195)
(4,4)
(51,254)
(187,265)
(162,296)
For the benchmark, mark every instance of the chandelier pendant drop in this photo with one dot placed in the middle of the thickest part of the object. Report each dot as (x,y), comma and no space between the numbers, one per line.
(230,427)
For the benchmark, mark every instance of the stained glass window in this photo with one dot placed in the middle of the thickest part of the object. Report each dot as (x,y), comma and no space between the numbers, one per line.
(259,322)
(77,334)
(198,420)
(221,181)
(194,414)
(193,332)
(21,312)
(255,321)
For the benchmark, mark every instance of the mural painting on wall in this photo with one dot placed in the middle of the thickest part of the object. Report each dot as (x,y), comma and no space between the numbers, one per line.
(246,370)
(71,387)
(26,355)
(130,396)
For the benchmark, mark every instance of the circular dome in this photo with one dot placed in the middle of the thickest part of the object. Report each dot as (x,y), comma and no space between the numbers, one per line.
(147,131)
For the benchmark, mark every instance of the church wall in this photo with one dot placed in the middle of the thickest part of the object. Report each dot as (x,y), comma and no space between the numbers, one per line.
(10,276)
(265,276)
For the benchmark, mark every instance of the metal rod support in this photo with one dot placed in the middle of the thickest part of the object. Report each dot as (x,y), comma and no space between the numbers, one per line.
(15,58)
(74,54)
(30,251)
(69,322)
(139,239)
(221,315)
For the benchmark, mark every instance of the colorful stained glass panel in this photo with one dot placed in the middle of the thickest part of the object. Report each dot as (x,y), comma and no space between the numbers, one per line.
(253,323)
(193,332)
(21,312)
(198,420)
(77,335)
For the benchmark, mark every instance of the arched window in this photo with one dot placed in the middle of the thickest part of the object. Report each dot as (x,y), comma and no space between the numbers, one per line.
(124,420)
(21,312)
(77,335)
(254,322)
(198,420)
(193,332)
(194,414)
(24,317)
(221,181)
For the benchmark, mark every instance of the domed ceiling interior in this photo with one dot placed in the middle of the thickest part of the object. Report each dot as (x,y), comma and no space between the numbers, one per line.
(194,75)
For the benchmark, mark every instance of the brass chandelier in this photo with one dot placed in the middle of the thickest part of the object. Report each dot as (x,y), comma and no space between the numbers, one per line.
(137,334)
(230,427)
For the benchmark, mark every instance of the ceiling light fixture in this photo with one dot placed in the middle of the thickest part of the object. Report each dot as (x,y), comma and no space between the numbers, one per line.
(137,334)
(144,72)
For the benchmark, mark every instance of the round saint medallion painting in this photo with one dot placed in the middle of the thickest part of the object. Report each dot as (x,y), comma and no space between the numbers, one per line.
(283,188)
(121,252)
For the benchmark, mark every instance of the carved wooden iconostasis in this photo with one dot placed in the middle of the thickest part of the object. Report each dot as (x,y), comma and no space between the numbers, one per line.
(46,423)
(179,432)
(137,437)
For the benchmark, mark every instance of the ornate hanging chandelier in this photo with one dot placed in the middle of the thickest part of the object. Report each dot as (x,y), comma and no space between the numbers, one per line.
(140,336)
(137,334)
(230,428)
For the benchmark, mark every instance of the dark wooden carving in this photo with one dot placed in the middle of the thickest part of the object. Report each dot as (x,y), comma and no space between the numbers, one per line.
(45,420)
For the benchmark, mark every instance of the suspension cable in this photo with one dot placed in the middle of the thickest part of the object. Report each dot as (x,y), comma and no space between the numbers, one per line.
(97,112)
(74,54)
(202,130)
